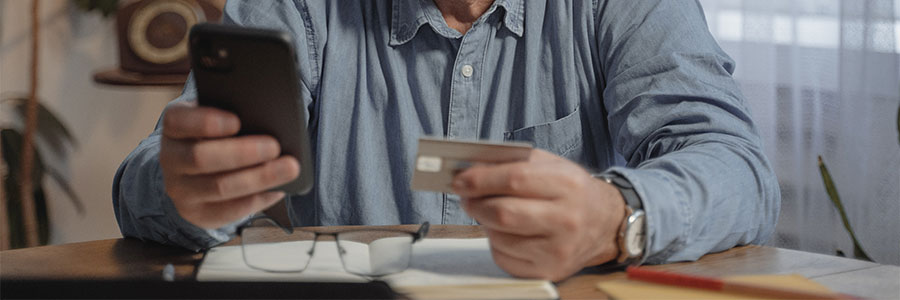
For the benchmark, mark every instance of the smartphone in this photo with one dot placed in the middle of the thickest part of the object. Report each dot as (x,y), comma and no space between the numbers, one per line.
(253,73)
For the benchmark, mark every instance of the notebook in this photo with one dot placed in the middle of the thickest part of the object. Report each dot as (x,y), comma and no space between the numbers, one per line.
(630,289)
(440,269)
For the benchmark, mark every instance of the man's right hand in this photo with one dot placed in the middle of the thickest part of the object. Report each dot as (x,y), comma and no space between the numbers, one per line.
(214,177)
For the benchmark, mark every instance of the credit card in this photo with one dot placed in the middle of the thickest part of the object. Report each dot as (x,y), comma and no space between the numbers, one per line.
(438,160)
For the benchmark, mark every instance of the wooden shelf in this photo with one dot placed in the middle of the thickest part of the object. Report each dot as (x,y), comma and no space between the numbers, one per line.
(117,76)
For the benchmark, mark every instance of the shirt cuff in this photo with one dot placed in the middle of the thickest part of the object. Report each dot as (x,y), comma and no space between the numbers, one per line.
(667,213)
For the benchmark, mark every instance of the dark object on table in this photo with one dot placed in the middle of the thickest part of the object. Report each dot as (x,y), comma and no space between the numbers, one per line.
(107,289)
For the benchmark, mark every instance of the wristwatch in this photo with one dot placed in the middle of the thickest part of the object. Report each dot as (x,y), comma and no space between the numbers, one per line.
(632,236)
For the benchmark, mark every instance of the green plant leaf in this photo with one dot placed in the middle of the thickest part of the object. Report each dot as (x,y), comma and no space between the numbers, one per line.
(38,171)
(12,142)
(14,213)
(43,220)
(12,149)
(12,152)
(50,128)
(66,188)
(830,187)
(57,137)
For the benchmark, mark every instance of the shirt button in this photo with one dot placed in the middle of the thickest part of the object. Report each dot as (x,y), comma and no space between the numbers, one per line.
(467,71)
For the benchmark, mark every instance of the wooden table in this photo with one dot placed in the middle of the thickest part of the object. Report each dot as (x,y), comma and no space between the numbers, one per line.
(133,259)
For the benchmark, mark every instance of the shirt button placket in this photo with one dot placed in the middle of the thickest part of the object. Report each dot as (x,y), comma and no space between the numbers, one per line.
(465,87)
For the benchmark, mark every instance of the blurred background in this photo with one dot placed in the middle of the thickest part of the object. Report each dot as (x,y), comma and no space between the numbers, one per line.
(820,76)
(106,121)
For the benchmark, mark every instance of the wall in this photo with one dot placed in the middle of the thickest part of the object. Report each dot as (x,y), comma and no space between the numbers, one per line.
(107,121)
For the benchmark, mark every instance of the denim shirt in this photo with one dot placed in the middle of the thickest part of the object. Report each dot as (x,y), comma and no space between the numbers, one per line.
(635,88)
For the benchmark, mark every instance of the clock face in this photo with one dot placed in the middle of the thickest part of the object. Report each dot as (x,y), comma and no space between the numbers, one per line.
(158,31)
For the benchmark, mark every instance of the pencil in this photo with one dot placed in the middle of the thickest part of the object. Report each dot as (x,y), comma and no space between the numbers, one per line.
(714,284)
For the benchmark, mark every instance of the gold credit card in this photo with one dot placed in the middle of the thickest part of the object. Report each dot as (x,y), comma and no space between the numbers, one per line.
(438,160)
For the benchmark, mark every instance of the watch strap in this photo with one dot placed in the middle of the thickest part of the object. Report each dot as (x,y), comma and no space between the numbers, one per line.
(634,205)
(625,187)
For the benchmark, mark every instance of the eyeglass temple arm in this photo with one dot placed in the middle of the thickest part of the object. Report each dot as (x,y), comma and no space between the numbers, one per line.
(286,229)
(423,231)
(420,234)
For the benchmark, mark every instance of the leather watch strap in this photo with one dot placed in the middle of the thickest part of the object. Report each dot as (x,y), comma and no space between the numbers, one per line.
(634,206)
(625,187)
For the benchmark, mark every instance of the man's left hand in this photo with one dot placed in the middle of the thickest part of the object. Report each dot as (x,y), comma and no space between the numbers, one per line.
(545,217)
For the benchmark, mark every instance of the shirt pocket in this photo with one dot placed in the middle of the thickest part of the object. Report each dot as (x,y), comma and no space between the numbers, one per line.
(562,137)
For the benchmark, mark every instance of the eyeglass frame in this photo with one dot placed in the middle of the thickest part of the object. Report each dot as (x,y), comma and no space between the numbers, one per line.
(417,236)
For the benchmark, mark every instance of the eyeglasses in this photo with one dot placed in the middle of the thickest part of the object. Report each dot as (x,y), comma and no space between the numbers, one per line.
(271,247)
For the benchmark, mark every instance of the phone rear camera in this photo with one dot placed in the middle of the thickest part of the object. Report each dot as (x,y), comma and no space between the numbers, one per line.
(208,61)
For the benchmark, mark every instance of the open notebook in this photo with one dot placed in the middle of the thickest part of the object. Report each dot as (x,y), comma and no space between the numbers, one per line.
(440,269)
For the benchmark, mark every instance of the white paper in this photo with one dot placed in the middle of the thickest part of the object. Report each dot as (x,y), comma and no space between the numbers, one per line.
(434,261)
(455,268)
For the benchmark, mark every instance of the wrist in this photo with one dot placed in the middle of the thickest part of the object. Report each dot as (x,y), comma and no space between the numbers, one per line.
(610,207)
(630,236)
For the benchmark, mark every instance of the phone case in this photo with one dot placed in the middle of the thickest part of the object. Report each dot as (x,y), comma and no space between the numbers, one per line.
(253,73)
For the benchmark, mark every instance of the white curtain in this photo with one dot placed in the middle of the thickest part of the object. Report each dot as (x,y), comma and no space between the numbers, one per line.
(821,78)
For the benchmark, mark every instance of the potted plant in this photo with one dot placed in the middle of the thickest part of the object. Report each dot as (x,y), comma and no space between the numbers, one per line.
(28,125)
(831,189)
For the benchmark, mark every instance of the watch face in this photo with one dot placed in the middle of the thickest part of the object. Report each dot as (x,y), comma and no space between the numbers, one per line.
(635,236)
(158,31)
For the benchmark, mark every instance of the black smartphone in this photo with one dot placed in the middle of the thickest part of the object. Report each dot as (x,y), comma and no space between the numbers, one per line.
(253,73)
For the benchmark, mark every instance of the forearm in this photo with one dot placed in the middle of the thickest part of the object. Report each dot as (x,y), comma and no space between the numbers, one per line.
(706,197)
(695,159)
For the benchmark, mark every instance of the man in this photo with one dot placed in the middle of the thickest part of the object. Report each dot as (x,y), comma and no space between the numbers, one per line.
(636,90)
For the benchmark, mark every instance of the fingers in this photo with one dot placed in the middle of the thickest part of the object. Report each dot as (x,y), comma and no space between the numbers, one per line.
(213,177)
(514,265)
(519,246)
(217,155)
(234,184)
(218,214)
(535,257)
(524,179)
(514,215)
(182,122)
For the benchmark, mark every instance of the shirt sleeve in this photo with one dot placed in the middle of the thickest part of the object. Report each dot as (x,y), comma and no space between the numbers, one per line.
(142,207)
(679,119)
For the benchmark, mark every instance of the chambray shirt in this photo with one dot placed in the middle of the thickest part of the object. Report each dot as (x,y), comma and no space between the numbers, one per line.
(633,87)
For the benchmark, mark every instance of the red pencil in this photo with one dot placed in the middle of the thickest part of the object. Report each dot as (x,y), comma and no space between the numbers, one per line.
(714,284)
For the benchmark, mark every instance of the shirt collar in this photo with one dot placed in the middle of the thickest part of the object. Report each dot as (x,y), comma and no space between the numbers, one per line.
(407,16)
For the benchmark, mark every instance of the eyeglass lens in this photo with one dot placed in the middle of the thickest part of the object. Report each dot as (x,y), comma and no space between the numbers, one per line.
(374,253)
(268,247)
(369,252)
